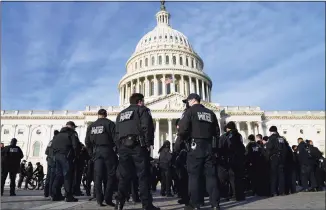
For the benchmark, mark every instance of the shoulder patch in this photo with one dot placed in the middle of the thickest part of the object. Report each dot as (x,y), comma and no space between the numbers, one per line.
(149,112)
(280,140)
(76,134)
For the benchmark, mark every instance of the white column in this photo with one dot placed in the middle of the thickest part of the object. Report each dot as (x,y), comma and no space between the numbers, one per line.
(249,128)
(137,85)
(170,131)
(206,92)
(197,86)
(256,128)
(260,128)
(203,90)
(15,128)
(237,123)
(172,87)
(155,86)
(157,138)
(29,137)
(191,85)
(182,85)
(146,87)
(164,85)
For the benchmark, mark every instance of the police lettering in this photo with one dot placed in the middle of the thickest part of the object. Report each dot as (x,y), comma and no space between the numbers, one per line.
(13,150)
(255,149)
(204,116)
(97,130)
(126,116)
(280,140)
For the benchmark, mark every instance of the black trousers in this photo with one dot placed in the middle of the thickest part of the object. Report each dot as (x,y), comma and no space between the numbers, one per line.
(134,188)
(49,180)
(166,180)
(63,170)
(308,177)
(183,184)
(232,174)
(78,174)
(131,159)
(20,180)
(90,177)
(104,171)
(277,176)
(200,161)
(12,177)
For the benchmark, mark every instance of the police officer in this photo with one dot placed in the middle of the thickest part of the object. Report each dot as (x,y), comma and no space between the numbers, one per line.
(231,155)
(277,151)
(51,167)
(22,173)
(100,138)
(307,162)
(65,148)
(12,156)
(134,136)
(200,124)
(165,164)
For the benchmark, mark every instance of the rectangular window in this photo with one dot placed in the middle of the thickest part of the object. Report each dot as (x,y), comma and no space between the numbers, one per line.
(159,60)
(167,59)
(6,131)
(20,131)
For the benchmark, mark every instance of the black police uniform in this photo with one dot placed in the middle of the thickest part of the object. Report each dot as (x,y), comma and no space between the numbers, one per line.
(165,164)
(100,138)
(307,162)
(277,151)
(12,156)
(22,174)
(134,134)
(231,160)
(65,148)
(200,124)
(50,171)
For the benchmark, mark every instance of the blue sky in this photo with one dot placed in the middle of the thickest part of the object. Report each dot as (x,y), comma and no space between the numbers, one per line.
(65,55)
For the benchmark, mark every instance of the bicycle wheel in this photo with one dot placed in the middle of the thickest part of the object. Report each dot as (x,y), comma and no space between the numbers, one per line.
(32,184)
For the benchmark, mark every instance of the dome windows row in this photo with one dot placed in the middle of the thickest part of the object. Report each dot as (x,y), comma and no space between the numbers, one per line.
(168,60)
(166,37)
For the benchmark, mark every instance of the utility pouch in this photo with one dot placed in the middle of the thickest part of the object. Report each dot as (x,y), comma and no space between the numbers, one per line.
(130,141)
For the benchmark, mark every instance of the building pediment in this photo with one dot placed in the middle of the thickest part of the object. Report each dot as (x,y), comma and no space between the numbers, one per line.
(173,102)
(170,102)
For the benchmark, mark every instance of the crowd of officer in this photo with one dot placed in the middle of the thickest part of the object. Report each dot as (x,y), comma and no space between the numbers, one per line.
(202,161)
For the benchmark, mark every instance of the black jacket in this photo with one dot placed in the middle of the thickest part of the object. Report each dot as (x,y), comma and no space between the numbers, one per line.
(66,142)
(12,156)
(135,121)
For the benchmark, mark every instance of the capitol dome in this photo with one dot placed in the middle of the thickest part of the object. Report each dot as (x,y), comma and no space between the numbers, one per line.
(163,63)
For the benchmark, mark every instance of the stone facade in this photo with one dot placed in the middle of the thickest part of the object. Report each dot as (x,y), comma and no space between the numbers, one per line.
(165,68)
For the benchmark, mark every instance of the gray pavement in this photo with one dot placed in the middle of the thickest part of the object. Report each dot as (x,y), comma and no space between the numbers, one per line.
(33,200)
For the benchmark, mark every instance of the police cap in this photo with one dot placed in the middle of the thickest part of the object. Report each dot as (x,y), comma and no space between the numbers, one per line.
(72,124)
(102,112)
(273,129)
(192,96)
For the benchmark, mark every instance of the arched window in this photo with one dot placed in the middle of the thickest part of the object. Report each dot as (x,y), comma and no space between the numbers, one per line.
(146,61)
(36,149)
(153,61)
(134,89)
(136,65)
(197,67)
(140,63)
(167,59)
(180,61)
(187,64)
(174,60)
(151,93)
(160,87)
(192,63)
(159,60)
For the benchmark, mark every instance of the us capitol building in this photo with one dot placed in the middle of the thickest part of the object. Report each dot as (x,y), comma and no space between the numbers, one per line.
(165,68)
